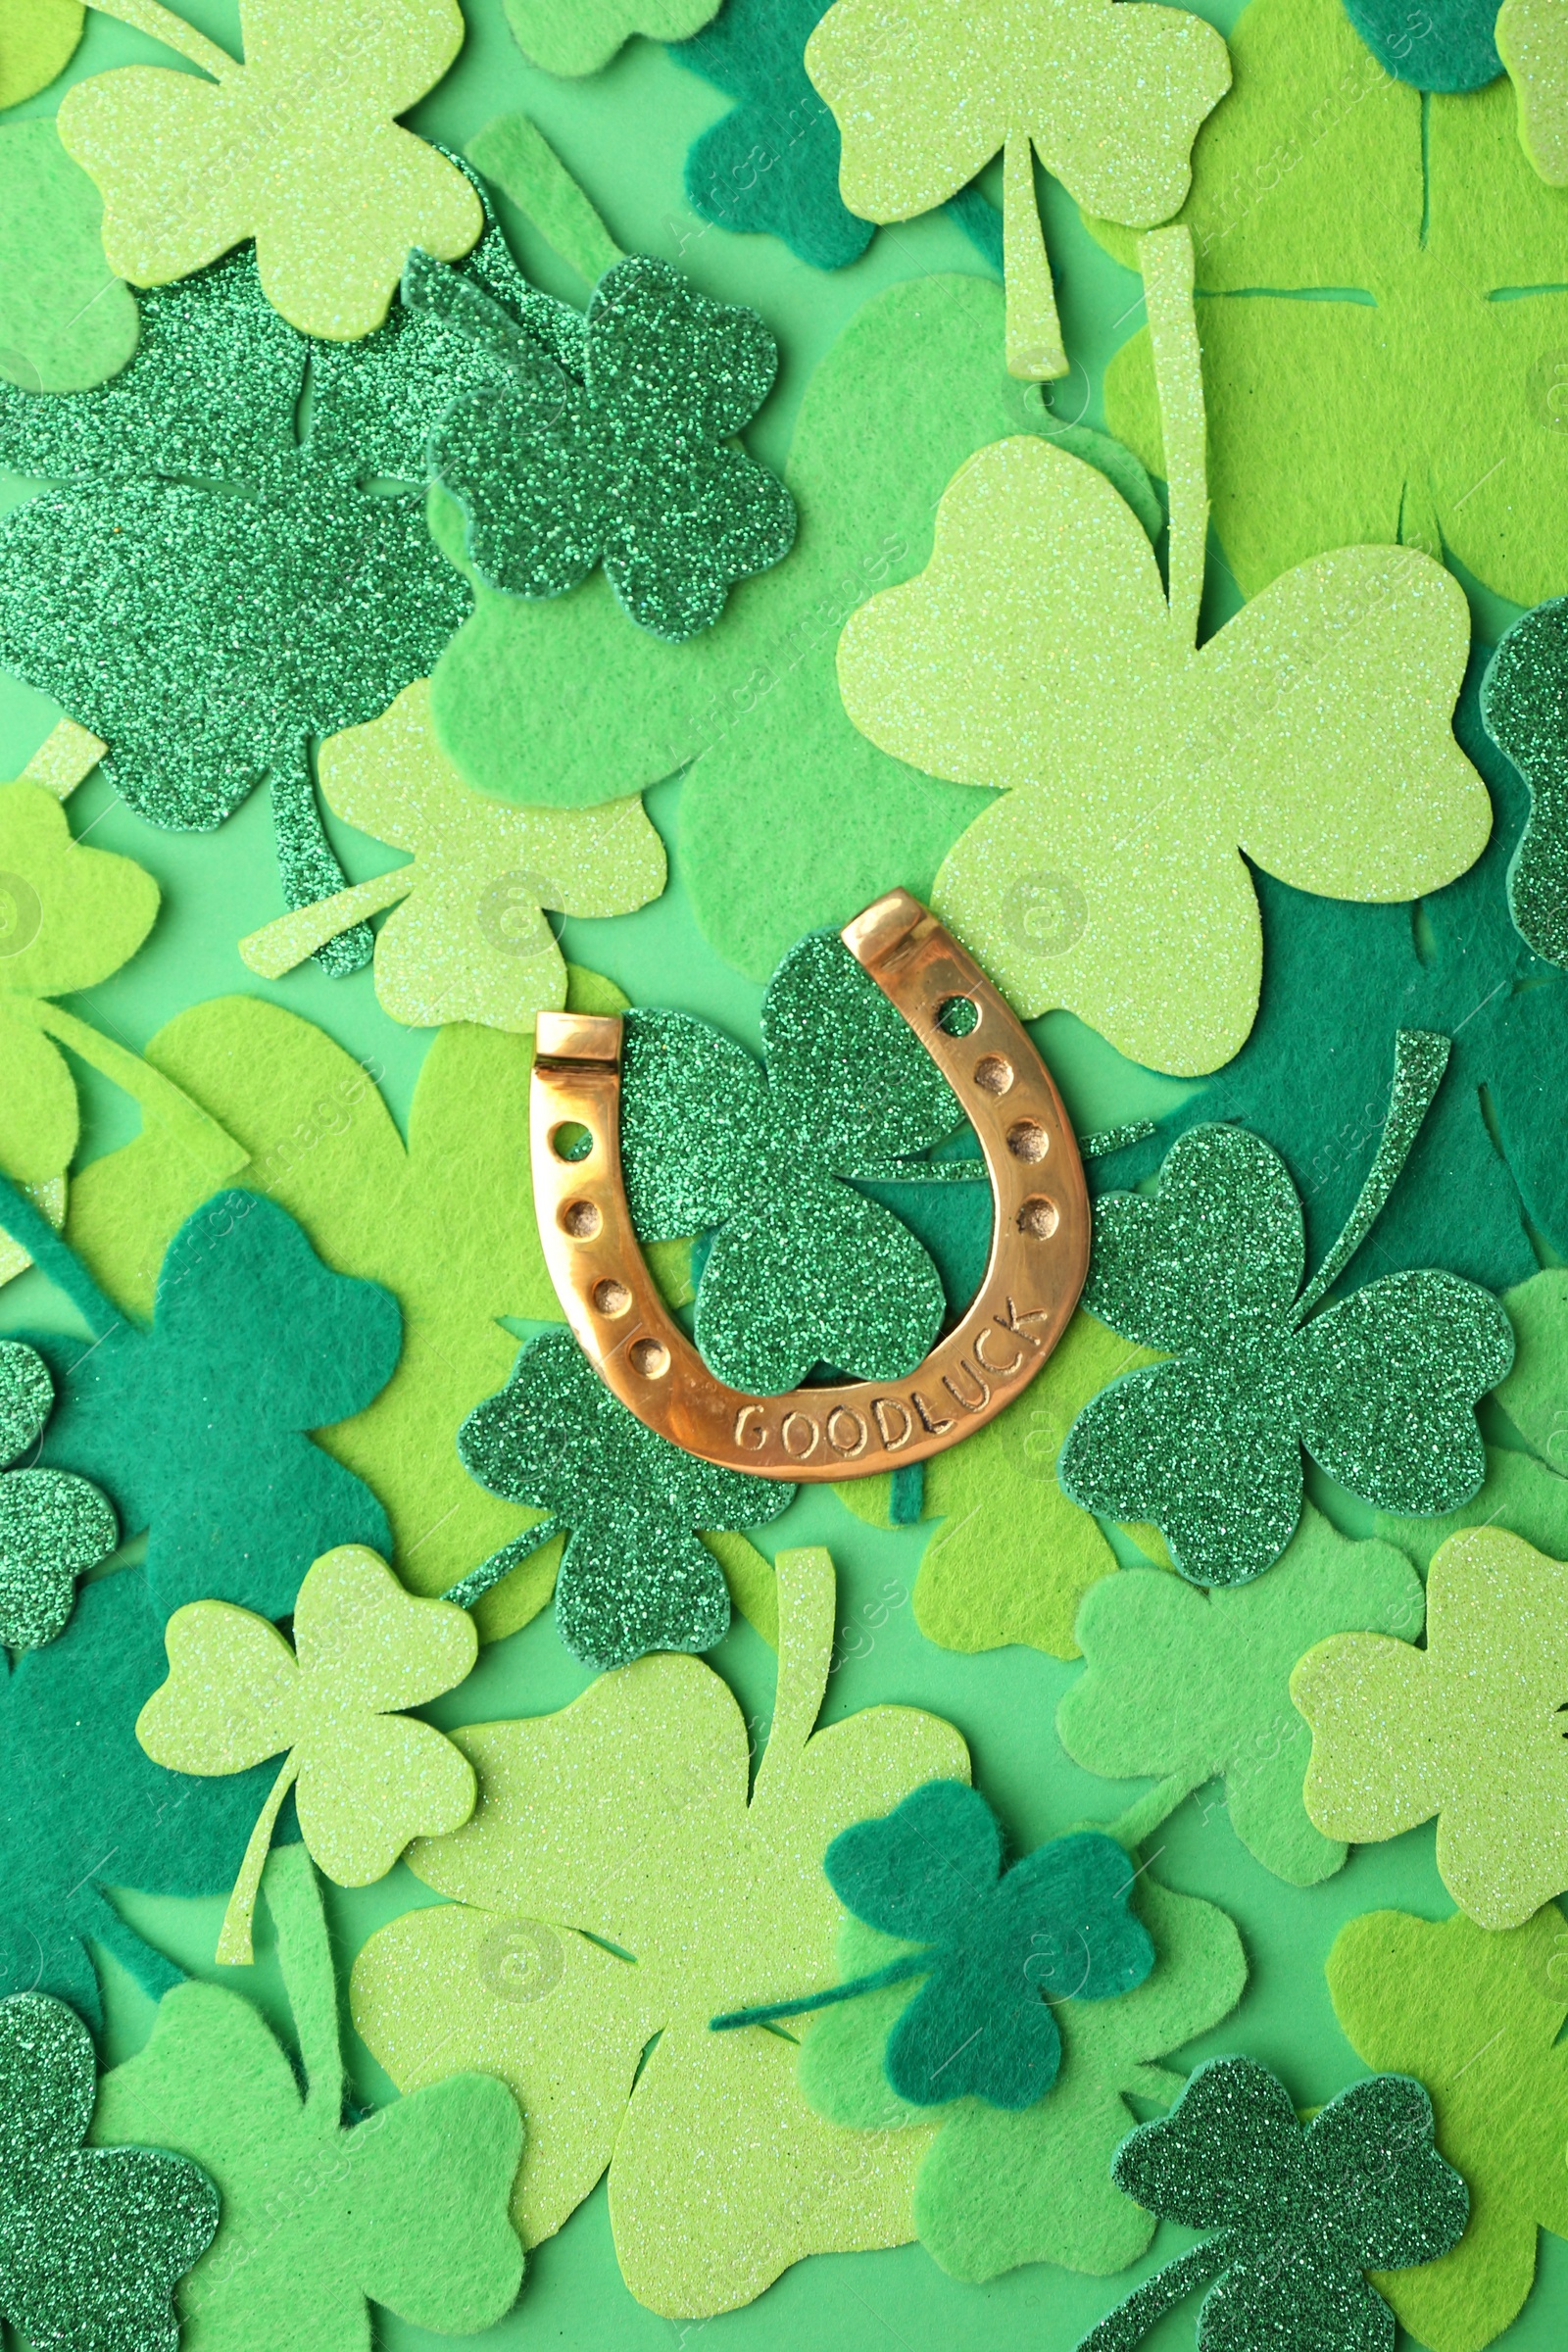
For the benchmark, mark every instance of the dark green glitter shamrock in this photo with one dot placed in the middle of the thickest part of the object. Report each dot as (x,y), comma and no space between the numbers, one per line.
(993,1946)
(634,1576)
(803,1269)
(1381,1389)
(621,454)
(52,1525)
(1300,2215)
(91,2239)
(1524,707)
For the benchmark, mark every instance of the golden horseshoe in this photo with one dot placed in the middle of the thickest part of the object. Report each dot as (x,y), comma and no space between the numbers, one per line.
(1039,1242)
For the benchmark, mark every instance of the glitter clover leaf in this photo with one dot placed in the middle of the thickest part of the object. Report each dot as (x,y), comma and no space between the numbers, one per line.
(1449,46)
(298,148)
(988,2194)
(1473,1728)
(629,1823)
(406,2207)
(585,36)
(92,2240)
(804,1268)
(635,1574)
(1529,43)
(1522,698)
(1476,2015)
(626,458)
(53,1526)
(366,1779)
(1380,1390)
(1218,1704)
(993,1946)
(1110,98)
(1299,2216)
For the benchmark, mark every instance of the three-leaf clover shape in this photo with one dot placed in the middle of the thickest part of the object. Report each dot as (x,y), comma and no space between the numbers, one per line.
(635,1574)
(1299,2216)
(803,1269)
(627,1826)
(993,1946)
(298,148)
(1522,702)
(405,2207)
(1110,97)
(1038,651)
(1473,1728)
(1380,1390)
(366,1779)
(92,2240)
(1476,2015)
(1320,177)
(52,1525)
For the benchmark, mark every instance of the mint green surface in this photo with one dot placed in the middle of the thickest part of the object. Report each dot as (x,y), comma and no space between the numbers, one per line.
(625,133)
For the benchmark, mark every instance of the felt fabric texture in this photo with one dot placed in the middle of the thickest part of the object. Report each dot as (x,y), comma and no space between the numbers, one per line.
(1261,741)
(516,155)
(405,2208)
(1186,1687)
(625,1818)
(1298,2215)
(1531,44)
(998,2187)
(298,148)
(1380,1390)
(1532,1394)
(91,2239)
(86,1809)
(1013,1555)
(367,1779)
(469,941)
(1338,981)
(1470,1728)
(1450,47)
(198,1428)
(1519,1493)
(803,1271)
(65,321)
(1109,101)
(52,1526)
(583,38)
(1476,2016)
(1322,175)
(1521,707)
(37,41)
(626,460)
(634,1576)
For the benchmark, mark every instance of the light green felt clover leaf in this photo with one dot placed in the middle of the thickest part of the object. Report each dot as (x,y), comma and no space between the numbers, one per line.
(1475,2015)
(66,321)
(1039,652)
(405,2208)
(584,35)
(1013,1555)
(470,942)
(1110,97)
(53,1524)
(1404,215)
(37,41)
(998,2189)
(621,1830)
(298,148)
(1185,1686)
(366,1779)
(1474,1728)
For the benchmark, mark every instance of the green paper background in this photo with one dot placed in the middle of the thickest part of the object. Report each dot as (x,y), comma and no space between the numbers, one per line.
(625,133)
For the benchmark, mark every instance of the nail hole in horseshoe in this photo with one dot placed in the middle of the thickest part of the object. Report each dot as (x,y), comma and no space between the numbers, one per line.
(1039,1217)
(957,1015)
(581,1220)
(650,1357)
(993,1073)
(612,1297)
(1028,1141)
(571,1140)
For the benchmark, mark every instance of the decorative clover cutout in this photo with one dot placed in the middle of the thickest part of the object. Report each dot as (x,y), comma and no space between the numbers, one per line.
(1449,46)
(1529,43)
(581,38)
(64,323)
(37,41)
(1523,697)
(52,1526)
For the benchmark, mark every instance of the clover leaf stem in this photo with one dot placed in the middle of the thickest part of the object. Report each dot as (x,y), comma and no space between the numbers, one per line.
(1034,329)
(304,1955)
(516,155)
(278,947)
(234,1945)
(308,866)
(1420,1058)
(479,1581)
(56,1260)
(1131,2321)
(163,1103)
(162,24)
(1166,260)
(1131,1828)
(912,1964)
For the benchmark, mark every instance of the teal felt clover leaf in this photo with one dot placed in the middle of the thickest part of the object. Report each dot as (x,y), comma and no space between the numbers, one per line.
(52,1525)
(804,1268)
(92,2240)
(993,1946)
(1298,2215)
(1380,1389)
(621,454)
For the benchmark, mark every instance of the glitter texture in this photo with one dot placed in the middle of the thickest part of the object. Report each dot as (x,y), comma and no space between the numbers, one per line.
(52,1526)
(1381,1389)
(803,1269)
(1524,707)
(632,463)
(634,1577)
(1471,1727)
(1300,2215)
(91,2239)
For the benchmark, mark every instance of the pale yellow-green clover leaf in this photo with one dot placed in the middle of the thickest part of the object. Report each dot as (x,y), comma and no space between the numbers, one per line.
(298,148)
(37,41)
(365,1780)
(624,1819)
(1532,39)
(1039,652)
(470,941)
(1109,93)
(1474,1728)
(578,37)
